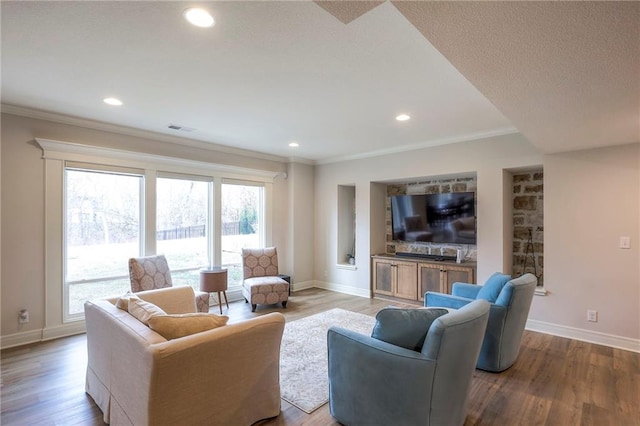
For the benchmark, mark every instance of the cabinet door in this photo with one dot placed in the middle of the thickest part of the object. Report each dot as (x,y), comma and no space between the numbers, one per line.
(428,279)
(457,274)
(383,277)
(406,275)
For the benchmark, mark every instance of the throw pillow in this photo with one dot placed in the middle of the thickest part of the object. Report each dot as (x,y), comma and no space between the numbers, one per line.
(180,325)
(405,327)
(143,310)
(123,301)
(492,288)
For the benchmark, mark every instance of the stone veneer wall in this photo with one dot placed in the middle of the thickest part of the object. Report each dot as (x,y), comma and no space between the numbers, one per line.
(436,186)
(528,216)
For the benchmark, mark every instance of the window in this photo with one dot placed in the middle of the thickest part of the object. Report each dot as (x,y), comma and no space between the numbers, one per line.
(183,223)
(104,206)
(242,225)
(102,227)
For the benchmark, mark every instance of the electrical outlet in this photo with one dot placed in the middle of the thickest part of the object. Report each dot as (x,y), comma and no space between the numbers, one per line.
(23,316)
(592,316)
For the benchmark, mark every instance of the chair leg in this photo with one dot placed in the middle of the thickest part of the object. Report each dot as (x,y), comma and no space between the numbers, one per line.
(253,307)
(284,304)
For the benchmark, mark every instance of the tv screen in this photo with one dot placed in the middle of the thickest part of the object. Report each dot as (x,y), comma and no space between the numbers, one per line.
(435,218)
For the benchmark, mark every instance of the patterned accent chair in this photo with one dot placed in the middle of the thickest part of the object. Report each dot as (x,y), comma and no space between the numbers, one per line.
(261,283)
(152,272)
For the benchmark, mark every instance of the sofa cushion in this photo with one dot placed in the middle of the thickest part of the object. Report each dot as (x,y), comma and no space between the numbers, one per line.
(492,288)
(143,310)
(180,325)
(123,301)
(405,327)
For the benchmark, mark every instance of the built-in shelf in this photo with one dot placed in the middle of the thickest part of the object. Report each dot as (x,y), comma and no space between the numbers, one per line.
(346,237)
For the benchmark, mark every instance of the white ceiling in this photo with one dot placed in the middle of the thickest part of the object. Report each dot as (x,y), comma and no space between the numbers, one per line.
(566,75)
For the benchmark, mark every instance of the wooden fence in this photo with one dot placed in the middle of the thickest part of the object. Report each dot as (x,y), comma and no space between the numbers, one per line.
(228,228)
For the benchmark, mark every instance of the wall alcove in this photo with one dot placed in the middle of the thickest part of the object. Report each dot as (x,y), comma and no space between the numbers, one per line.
(435,185)
(528,224)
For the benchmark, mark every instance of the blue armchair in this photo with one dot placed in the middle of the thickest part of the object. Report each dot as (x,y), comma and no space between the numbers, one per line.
(373,382)
(510,303)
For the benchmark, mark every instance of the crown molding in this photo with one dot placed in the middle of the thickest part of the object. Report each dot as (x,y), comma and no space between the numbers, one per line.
(195,143)
(130,131)
(436,142)
(301,161)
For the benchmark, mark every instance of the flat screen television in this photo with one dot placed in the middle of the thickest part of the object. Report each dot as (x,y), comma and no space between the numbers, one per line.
(436,218)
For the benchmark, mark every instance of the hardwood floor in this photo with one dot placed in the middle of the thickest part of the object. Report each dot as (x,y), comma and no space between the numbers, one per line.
(555,381)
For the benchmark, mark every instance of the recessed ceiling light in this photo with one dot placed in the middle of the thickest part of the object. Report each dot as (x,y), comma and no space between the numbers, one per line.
(402,117)
(112,101)
(294,144)
(199,17)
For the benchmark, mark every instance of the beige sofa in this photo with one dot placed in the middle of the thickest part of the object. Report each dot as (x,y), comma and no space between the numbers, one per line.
(224,376)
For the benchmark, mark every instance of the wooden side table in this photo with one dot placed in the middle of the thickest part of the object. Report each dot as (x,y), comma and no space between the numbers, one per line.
(215,280)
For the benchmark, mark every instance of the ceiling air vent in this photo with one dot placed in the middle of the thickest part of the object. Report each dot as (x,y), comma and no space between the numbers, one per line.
(180,128)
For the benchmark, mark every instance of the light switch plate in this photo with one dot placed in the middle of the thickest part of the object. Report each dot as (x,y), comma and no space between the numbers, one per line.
(625,242)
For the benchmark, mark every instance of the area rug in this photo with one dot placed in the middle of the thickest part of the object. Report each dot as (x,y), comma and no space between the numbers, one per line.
(304,380)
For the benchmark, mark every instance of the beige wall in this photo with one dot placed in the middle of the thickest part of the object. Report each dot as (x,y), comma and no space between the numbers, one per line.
(301,208)
(23,198)
(591,199)
(22,229)
(487,158)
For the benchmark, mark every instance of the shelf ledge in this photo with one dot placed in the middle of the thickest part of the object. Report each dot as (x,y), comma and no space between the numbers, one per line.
(540,291)
(346,266)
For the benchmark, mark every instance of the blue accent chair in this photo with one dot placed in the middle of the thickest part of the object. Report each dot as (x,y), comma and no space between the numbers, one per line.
(372,382)
(507,318)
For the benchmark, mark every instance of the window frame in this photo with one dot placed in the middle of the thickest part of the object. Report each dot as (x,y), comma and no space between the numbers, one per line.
(57,153)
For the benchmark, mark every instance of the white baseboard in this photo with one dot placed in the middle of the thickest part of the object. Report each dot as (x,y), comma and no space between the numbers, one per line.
(42,334)
(303,285)
(596,337)
(339,288)
(19,339)
(64,330)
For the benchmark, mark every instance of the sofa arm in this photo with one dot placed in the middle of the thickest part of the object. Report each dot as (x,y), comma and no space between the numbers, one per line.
(173,300)
(470,291)
(372,379)
(433,299)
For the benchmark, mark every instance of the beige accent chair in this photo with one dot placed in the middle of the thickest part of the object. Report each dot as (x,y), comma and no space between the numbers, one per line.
(152,272)
(215,377)
(416,229)
(261,283)
(464,230)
